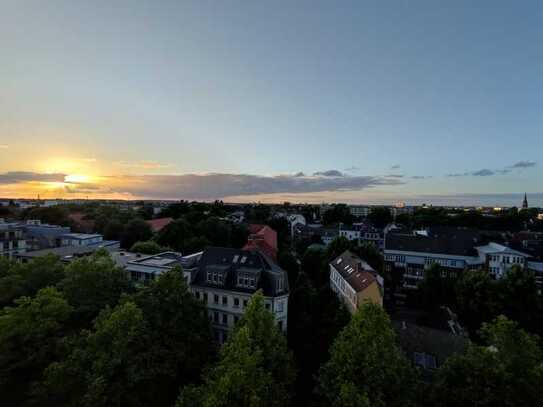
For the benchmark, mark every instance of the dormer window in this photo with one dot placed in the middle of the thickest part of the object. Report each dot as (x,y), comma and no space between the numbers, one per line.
(247,280)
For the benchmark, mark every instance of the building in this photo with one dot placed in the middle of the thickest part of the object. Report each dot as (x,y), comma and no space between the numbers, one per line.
(67,254)
(42,235)
(359,211)
(351,232)
(80,239)
(354,281)
(12,241)
(454,249)
(142,268)
(225,279)
(373,236)
(525,202)
(263,238)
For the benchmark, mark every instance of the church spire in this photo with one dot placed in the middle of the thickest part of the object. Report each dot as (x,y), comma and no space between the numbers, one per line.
(525,202)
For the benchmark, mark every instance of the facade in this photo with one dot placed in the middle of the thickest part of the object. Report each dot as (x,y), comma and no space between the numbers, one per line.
(359,211)
(80,239)
(43,236)
(12,241)
(355,282)
(373,236)
(225,279)
(351,233)
(409,255)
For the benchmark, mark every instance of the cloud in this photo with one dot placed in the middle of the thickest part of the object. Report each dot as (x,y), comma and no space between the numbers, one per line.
(329,173)
(483,173)
(15,177)
(352,169)
(394,176)
(420,176)
(4,146)
(395,167)
(89,160)
(144,164)
(299,174)
(523,164)
(215,186)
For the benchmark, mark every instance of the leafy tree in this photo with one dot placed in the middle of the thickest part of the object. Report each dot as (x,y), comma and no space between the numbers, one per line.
(214,230)
(289,263)
(177,336)
(175,234)
(365,360)
(315,319)
(282,227)
(435,290)
(506,372)
(107,366)
(136,230)
(148,247)
(380,216)
(113,230)
(314,266)
(26,279)
(338,213)
(255,367)
(337,247)
(520,299)
(29,336)
(91,284)
(477,298)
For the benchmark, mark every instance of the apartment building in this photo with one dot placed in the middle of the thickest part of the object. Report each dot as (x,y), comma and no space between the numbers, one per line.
(355,282)
(454,249)
(12,241)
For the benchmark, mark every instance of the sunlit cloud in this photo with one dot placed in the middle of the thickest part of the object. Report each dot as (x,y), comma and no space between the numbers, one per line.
(144,164)
(4,146)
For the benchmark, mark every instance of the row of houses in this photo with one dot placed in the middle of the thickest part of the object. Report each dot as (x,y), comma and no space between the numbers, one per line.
(410,254)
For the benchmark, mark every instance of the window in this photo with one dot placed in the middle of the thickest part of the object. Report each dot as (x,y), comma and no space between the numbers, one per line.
(216,299)
(236,319)
(225,319)
(280,324)
(245,303)
(205,298)
(216,317)
(209,276)
(267,306)
(197,294)
(224,300)
(279,306)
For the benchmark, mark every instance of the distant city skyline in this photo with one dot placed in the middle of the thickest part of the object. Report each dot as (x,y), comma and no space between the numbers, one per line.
(355,102)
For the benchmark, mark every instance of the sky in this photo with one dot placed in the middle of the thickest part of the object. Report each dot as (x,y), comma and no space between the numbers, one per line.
(306,101)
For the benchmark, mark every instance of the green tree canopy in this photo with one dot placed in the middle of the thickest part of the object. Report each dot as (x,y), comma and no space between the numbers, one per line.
(92,283)
(366,361)
(137,230)
(255,367)
(25,279)
(507,371)
(29,336)
(148,247)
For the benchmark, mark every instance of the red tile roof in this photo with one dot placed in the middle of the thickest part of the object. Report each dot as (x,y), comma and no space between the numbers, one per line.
(158,224)
(262,238)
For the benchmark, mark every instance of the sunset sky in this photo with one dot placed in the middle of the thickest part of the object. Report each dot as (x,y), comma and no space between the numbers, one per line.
(348,101)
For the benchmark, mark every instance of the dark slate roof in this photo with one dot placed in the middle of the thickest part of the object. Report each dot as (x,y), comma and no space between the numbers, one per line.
(453,241)
(222,259)
(358,274)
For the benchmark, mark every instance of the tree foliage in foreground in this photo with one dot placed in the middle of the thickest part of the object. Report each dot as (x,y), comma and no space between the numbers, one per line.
(255,367)
(507,371)
(30,333)
(138,353)
(366,367)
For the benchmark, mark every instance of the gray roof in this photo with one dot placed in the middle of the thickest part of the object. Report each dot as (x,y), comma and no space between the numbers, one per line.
(453,241)
(231,261)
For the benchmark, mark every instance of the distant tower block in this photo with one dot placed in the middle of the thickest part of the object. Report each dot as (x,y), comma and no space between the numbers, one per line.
(525,202)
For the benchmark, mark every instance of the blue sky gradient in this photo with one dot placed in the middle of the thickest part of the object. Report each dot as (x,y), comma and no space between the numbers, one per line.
(417,89)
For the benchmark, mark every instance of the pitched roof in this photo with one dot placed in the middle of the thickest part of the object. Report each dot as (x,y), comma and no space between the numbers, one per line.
(453,241)
(158,224)
(264,238)
(358,274)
